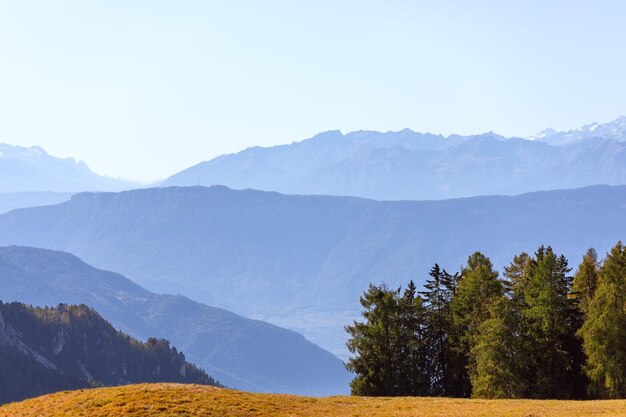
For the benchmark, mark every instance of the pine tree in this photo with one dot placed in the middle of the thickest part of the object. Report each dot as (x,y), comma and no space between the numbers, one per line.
(604,329)
(478,287)
(375,343)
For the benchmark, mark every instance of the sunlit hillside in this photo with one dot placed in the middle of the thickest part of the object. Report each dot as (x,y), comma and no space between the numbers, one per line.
(195,400)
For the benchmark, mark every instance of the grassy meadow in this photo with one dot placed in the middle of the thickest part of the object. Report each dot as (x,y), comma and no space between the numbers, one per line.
(193,400)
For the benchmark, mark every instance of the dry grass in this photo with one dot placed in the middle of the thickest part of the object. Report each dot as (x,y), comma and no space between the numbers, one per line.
(192,400)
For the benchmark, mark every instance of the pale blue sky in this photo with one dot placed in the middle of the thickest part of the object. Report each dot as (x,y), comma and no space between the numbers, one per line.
(142,89)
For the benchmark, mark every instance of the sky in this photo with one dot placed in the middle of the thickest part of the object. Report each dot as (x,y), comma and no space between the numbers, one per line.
(141,89)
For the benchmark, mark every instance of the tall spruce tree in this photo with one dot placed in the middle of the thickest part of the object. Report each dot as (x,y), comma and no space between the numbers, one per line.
(413,379)
(437,296)
(604,329)
(375,344)
(477,288)
(547,318)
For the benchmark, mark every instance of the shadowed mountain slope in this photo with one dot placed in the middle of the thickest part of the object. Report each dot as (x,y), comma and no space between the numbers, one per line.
(239,352)
(50,349)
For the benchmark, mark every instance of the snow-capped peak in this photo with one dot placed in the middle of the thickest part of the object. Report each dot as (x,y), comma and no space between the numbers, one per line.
(615,130)
(544,134)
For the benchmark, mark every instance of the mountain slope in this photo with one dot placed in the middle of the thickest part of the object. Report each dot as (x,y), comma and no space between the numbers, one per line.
(407,165)
(43,350)
(303,261)
(239,352)
(32,169)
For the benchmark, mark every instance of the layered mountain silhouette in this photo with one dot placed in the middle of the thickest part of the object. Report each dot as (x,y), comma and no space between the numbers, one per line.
(408,165)
(239,352)
(43,350)
(32,169)
(12,201)
(404,165)
(303,261)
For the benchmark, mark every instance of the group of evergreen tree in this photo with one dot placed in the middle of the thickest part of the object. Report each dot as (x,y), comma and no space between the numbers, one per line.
(535,332)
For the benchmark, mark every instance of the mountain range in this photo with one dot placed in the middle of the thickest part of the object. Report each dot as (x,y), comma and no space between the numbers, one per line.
(403,165)
(408,165)
(615,130)
(239,352)
(32,169)
(303,261)
(50,349)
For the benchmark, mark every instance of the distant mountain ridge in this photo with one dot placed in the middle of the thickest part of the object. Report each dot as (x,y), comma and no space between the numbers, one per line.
(303,261)
(43,350)
(239,352)
(32,169)
(12,201)
(615,130)
(408,165)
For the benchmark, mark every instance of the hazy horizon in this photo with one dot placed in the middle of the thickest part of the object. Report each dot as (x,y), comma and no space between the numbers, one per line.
(145,89)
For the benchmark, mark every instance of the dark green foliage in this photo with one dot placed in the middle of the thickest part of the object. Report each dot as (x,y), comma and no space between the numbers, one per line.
(389,345)
(546,314)
(549,354)
(412,349)
(521,337)
(477,288)
(375,342)
(604,330)
(44,350)
(402,347)
(439,290)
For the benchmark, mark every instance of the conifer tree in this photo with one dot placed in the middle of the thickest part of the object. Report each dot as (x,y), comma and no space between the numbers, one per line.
(496,370)
(546,314)
(375,344)
(604,329)
(517,275)
(437,297)
(586,280)
(477,288)
(413,378)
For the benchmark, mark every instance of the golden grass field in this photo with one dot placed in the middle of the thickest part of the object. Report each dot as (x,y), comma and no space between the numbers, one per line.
(193,400)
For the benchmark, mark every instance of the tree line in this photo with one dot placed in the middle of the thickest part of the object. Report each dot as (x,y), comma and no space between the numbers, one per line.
(534,332)
(49,349)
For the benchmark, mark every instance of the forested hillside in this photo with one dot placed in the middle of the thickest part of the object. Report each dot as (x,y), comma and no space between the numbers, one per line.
(44,350)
